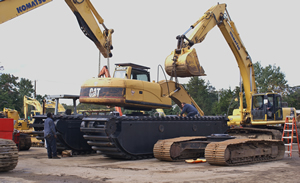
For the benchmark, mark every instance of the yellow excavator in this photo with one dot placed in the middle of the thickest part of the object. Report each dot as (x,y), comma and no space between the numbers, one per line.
(49,104)
(130,87)
(19,124)
(38,109)
(133,137)
(27,139)
(263,110)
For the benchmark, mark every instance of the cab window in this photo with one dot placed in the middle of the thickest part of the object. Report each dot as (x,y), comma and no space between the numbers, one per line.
(278,102)
(139,75)
(120,74)
(258,102)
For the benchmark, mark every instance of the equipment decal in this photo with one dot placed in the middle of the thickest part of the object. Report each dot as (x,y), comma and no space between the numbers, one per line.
(94,92)
(236,43)
(102,92)
(29,5)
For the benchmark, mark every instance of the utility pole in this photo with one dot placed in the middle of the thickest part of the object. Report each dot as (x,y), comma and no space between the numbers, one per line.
(99,63)
(34,95)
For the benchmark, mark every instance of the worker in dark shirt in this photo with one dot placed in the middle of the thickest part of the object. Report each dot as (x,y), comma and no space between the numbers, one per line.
(189,109)
(50,136)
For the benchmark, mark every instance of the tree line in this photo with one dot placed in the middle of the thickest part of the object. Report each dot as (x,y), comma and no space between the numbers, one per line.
(210,100)
(221,102)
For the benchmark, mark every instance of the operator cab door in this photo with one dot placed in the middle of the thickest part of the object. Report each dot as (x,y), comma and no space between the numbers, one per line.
(274,107)
(277,113)
(258,108)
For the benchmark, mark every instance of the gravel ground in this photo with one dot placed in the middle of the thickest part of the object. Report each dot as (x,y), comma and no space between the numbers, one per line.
(34,166)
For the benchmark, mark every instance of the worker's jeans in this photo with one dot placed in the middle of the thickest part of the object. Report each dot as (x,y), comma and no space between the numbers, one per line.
(51,146)
(191,114)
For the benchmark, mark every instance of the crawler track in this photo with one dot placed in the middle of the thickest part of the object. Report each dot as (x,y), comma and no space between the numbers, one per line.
(134,137)
(255,133)
(171,149)
(223,152)
(244,151)
(69,136)
(8,155)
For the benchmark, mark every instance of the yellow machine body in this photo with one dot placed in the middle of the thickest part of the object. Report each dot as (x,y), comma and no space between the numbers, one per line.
(10,9)
(19,124)
(131,88)
(128,93)
(183,62)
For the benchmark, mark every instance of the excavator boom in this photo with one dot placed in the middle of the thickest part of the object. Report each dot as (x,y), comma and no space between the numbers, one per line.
(33,102)
(86,14)
(52,104)
(10,9)
(184,59)
(87,17)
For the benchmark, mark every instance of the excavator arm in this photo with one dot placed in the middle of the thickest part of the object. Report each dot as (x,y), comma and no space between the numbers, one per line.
(178,94)
(87,17)
(30,101)
(52,104)
(86,14)
(183,61)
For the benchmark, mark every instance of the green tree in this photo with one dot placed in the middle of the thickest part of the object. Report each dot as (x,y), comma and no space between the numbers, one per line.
(226,102)
(293,97)
(40,98)
(269,78)
(12,91)
(9,91)
(25,87)
(203,93)
(175,110)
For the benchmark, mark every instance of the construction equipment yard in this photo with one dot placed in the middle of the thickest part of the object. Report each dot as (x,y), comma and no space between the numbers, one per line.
(257,136)
(34,166)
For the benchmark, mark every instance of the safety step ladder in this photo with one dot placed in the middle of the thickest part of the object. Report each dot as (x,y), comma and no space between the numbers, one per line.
(289,131)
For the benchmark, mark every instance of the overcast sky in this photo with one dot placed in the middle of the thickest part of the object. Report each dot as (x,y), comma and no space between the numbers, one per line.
(47,45)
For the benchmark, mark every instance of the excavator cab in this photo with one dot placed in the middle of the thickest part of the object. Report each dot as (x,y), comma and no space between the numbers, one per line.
(267,107)
(132,71)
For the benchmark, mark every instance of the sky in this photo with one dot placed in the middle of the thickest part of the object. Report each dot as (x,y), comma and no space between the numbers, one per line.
(47,45)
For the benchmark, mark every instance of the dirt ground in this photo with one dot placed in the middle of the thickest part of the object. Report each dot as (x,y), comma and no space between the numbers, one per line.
(34,166)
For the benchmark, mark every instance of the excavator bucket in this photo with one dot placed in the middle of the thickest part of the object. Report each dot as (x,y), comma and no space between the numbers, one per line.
(187,64)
